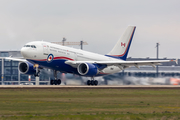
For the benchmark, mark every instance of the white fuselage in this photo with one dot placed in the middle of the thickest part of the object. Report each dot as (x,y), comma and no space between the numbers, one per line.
(39,55)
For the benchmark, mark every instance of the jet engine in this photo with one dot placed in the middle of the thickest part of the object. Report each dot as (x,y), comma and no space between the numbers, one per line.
(87,69)
(26,68)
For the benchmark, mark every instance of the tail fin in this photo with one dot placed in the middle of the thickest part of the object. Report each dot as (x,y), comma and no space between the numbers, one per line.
(121,48)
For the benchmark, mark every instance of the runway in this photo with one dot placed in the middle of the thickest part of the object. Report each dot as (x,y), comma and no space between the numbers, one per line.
(89,87)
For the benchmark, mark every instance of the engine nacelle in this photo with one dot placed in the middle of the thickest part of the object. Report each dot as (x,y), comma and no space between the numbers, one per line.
(87,69)
(26,68)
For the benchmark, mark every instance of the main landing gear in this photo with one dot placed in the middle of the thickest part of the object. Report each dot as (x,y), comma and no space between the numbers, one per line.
(92,82)
(56,81)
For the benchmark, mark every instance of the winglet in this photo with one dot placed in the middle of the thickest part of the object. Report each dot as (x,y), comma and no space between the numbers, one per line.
(175,61)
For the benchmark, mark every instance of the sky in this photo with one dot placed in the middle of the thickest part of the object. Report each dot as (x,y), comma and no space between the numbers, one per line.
(98,22)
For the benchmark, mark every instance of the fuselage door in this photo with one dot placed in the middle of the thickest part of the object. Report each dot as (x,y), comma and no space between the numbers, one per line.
(75,56)
(45,49)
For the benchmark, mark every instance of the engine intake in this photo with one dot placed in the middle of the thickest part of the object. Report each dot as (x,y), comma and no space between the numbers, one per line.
(87,69)
(26,68)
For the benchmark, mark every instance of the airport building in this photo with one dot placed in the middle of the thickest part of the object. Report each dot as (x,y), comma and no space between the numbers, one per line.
(10,74)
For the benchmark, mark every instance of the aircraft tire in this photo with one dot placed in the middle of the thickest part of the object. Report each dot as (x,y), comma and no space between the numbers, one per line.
(36,74)
(58,81)
(51,82)
(92,82)
(95,82)
(88,82)
(55,82)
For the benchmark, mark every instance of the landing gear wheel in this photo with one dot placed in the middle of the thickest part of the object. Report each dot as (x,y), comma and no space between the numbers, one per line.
(36,74)
(95,82)
(92,82)
(51,82)
(55,82)
(88,82)
(58,81)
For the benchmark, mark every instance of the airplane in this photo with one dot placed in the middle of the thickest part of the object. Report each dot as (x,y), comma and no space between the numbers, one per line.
(40,54)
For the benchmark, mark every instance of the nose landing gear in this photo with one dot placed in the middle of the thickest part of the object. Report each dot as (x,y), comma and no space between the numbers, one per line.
(37,70)
(36,66)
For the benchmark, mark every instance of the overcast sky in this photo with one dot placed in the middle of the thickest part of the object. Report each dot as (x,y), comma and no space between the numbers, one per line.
(98,22)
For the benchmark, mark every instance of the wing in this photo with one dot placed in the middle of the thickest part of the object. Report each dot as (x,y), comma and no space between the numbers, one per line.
(15,59)
(121,64)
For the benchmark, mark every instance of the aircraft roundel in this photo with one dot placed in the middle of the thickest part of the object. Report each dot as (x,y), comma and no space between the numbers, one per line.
(50,58)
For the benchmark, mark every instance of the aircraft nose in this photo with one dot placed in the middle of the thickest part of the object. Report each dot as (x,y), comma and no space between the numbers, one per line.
(23,52)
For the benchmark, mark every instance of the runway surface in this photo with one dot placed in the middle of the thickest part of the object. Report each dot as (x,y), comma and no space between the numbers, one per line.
(89,87)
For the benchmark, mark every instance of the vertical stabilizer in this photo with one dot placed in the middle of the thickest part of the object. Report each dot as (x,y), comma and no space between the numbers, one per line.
(121,48)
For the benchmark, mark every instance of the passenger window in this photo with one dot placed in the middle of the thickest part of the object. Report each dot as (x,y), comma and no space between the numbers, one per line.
(28,46)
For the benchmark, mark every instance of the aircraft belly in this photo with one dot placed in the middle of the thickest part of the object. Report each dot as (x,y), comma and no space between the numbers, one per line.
(58,65)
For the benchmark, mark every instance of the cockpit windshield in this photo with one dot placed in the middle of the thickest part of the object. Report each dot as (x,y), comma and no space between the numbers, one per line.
(32,46)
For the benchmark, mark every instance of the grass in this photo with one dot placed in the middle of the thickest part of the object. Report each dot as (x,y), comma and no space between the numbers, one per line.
(87,104)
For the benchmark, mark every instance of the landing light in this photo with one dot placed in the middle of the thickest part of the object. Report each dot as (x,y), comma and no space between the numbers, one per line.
(36,65)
